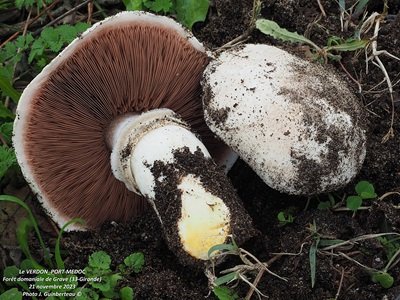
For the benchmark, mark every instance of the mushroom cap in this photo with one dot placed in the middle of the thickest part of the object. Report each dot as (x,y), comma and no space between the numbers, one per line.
(296,123)
(128,63)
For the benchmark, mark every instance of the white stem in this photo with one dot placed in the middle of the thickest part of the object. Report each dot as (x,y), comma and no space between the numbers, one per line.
(139,143)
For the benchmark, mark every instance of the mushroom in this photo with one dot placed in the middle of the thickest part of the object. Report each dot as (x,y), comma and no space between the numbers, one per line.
(296,123)
(108,122)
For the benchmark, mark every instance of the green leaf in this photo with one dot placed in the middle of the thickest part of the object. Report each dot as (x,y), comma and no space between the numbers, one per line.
(226,278)
(385,279)
(281,216)
(327,204)
(30,3)
(44,280)
(126,293)
(12,294)
(191,11)
(100,260)
(80,27)
(7,159)
(13,272)
(6,130)
(285,218)
(27,264)
(7,88)
(24,3)
(67,33)
(72,282)
(41,63)
(52,39)
(221,248)
(313,260)
(353,202)
(271,28)
(351,45)
(159,5)
(7,52)
(10,273)
(390,244)
(107,284)
(5,113)
(86,294)
(110,294)
(23,41)
(133,4)
(365,190)
(95,272)
(324,205)
(334,40)
(37,50)
(135,261)
(224,293)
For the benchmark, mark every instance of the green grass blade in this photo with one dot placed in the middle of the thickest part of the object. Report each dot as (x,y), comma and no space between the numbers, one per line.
(360,7)
(57,251)
(342,6)
(24,227)
(34,223)
(313,260)
(226,279)
(327,243)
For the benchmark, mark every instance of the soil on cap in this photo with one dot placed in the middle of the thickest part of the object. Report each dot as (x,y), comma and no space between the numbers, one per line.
(322,91)
(311,174)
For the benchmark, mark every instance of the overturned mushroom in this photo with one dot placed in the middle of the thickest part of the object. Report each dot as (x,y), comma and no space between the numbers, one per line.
(128,88)
(295,123)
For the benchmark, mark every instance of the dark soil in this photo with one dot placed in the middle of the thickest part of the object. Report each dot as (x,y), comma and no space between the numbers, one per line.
(337,277)
(214,181)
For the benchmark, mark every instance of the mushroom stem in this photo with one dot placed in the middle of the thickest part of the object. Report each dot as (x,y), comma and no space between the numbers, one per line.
(150,154)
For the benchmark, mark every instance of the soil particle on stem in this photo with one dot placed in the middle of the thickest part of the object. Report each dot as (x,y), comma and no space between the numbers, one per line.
(168,197)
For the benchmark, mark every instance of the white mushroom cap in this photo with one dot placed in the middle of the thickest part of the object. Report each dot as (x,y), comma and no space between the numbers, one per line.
(294,122)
